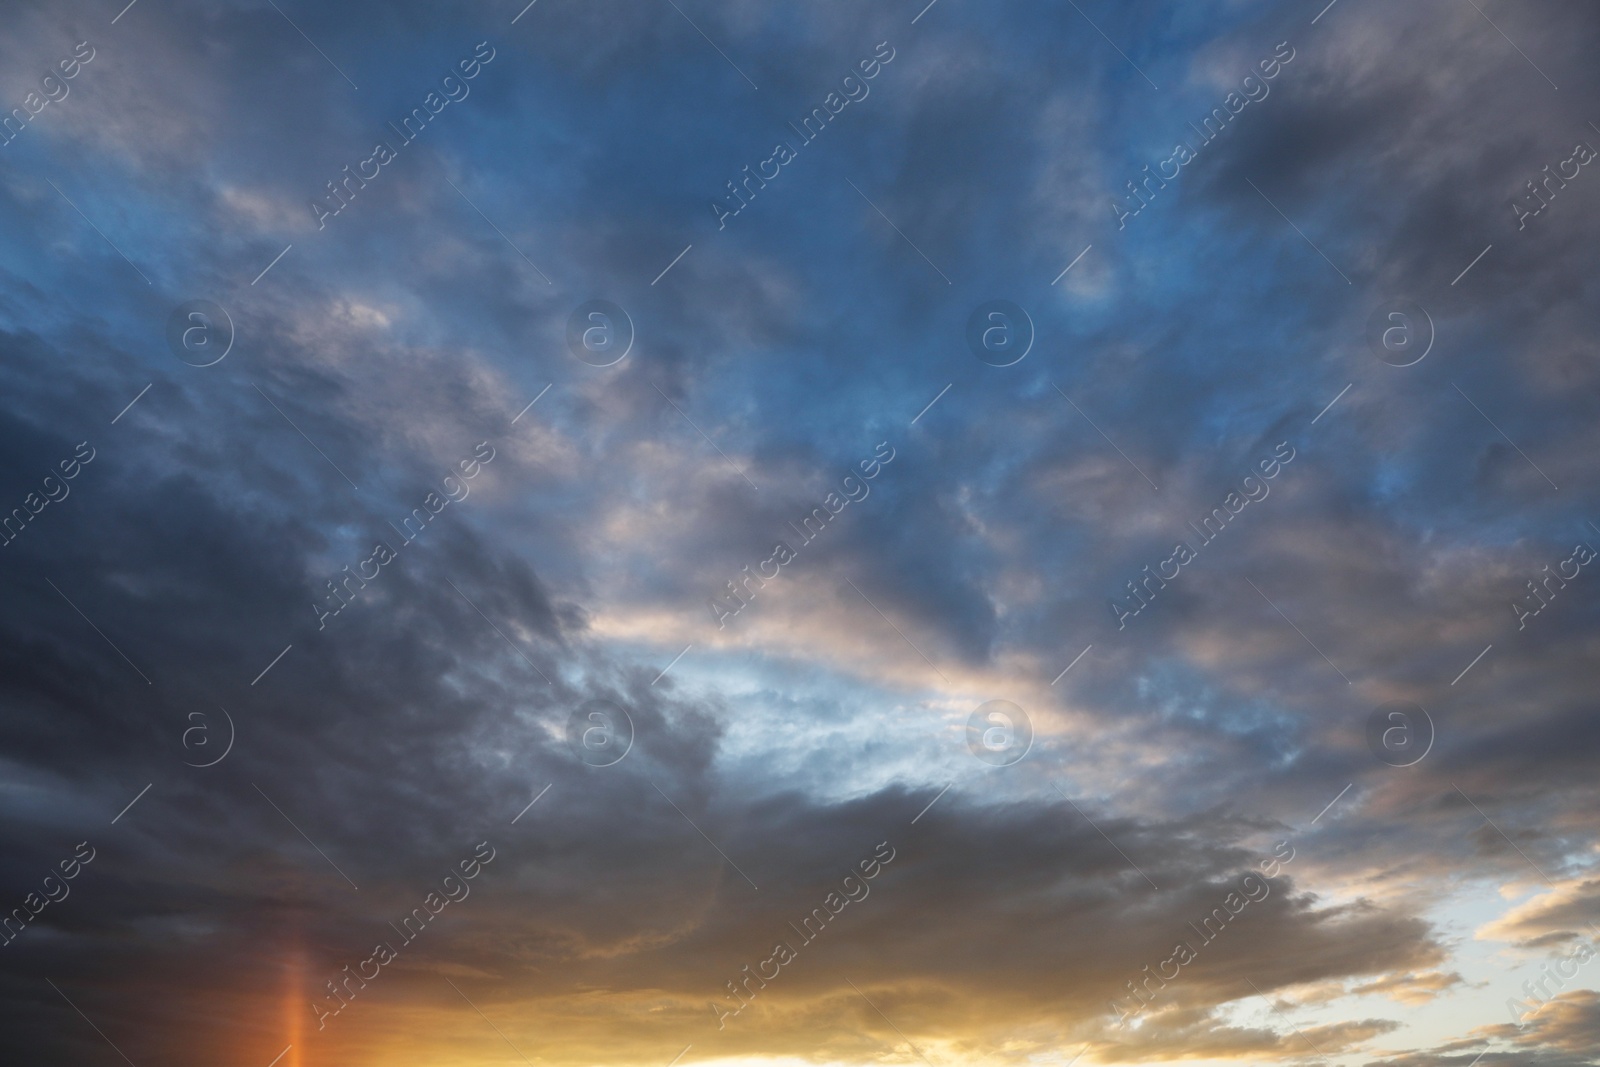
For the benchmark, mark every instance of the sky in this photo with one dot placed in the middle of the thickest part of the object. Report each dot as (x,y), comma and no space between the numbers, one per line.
(662,533)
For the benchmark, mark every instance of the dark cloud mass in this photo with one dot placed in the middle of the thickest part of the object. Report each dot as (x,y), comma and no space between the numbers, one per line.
(393,672)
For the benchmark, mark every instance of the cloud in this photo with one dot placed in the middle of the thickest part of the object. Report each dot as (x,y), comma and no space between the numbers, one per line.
(775,355)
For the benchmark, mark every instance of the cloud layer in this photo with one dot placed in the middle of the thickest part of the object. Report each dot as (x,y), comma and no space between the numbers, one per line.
(168,604)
